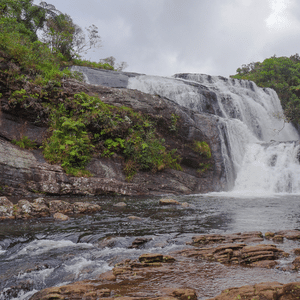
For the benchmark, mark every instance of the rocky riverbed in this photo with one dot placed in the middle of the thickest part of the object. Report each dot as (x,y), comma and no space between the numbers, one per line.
(191,247)
(158,276)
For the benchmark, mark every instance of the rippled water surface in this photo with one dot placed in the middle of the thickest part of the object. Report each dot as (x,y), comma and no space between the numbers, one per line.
(40,253)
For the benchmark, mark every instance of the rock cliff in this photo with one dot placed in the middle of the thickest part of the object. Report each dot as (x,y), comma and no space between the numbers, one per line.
(26,171)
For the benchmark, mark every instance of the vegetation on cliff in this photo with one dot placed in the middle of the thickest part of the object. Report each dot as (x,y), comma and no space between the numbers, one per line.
(32,76)
(281,74)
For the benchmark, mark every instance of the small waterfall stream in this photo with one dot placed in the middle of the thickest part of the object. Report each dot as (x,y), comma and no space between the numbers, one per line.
(252,130)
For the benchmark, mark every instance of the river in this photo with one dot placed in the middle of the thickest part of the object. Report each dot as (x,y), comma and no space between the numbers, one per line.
(40,253)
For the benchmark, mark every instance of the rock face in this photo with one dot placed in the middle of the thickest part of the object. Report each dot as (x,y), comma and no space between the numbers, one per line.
(26,171)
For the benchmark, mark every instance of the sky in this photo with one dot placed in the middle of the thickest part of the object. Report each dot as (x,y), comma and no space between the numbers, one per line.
(165,37)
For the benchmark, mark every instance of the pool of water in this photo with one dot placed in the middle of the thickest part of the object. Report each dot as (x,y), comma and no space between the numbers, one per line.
(40,253)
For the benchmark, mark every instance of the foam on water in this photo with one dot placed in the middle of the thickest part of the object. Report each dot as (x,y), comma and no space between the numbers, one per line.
(82,268)
(2,251)
(39,247)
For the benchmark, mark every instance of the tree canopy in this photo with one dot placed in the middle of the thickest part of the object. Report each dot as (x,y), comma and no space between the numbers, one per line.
(28,16)
(281,74)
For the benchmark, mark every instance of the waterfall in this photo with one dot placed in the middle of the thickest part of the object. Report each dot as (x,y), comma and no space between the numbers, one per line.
(255,139)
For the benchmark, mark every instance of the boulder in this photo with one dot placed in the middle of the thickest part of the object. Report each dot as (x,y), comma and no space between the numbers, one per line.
(207,239)
(24,209)
(151,257)
(120,204)
(183,294)
(139,242)
(60,217)
(77,290)
(155,257)
(261,255)
(60,206)
(6,209)
(296,263)
(135,218)
(84,207)
(289,234)
(169,202)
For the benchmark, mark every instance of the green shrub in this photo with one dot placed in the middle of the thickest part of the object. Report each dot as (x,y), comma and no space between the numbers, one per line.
(25,143)
(204,167)
(69,144)
(202,148)
(174,120)
(87,63)
(281,74)
(84,124)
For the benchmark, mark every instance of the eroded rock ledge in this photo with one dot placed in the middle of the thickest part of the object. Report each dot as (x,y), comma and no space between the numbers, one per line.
(160,276)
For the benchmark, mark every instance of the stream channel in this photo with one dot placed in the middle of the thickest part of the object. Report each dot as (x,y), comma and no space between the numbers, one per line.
(41,253)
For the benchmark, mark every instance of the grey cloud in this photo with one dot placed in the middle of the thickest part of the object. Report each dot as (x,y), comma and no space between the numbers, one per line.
(163,37)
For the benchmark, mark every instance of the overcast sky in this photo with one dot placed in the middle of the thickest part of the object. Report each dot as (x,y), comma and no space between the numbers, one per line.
(164,37)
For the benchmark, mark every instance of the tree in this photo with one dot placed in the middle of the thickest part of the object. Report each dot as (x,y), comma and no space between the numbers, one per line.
(281,74)
(112,61)
(30,17)
(64,36)
(58,34)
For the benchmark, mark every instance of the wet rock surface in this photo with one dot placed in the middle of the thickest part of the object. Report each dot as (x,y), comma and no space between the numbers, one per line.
(179,275)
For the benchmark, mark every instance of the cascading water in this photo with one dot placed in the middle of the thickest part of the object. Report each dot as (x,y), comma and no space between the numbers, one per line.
(253,134)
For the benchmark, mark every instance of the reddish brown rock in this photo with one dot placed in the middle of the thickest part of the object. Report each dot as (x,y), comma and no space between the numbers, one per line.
(296,263)
(207,239)
(256,256)
(269,235)
(182,294)
(290,234)
(151,257)
(107,276)
(277,238)
(262,291)
(78,290)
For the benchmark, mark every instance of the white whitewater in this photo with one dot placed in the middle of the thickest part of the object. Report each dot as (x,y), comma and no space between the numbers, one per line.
(254,138)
